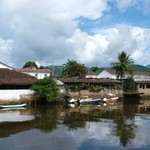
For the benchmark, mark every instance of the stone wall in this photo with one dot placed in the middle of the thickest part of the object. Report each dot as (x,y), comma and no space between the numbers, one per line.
(145,92)
(94,94)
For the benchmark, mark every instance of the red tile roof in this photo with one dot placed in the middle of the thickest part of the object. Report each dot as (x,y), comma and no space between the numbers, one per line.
(12,77)
(33,69)
(89,80)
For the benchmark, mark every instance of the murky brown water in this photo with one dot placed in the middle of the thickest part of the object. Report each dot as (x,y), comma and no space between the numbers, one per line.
(115,126)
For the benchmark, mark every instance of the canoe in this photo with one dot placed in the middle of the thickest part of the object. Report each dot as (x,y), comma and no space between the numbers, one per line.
(13,106)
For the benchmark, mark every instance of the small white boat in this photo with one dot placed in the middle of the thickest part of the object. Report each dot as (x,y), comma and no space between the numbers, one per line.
(13,106)
(73,100)
(85,99)
(112,96)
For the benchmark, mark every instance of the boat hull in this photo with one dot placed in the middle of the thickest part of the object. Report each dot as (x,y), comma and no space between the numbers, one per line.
(13,106)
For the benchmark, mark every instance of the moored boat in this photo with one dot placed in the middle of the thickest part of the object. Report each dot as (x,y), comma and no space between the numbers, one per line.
(88,100)
(110,98)
(13,106)
(85,100)
(95,101)
(73,100)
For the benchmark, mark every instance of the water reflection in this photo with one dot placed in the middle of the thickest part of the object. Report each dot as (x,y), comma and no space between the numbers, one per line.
(85,127)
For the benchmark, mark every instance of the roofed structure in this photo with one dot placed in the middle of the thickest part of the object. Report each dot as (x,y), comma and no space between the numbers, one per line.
(12,77)
(110,73)
(89,80)
(38,73)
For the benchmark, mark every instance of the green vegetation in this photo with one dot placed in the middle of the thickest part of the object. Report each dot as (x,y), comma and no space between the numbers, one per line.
(124,64)
(30,64)
(140,68)
(47,88)
(74,69)
(129,86)
(94,69)
(95,88)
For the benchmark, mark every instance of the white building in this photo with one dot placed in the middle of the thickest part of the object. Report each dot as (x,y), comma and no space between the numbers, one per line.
(107,74)
(138,76)
(92,75)
(14,84)
(38,73)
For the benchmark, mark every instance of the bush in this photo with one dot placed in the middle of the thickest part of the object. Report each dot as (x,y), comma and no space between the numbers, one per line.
(47,88)
(95,88)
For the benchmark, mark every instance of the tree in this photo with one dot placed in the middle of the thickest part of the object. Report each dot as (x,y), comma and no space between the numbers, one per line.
(94,69)
(123,65)
(47,88)
(73,69)
(129,85)
(30,64)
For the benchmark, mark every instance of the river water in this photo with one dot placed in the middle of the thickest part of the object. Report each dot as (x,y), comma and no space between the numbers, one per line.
(89,127)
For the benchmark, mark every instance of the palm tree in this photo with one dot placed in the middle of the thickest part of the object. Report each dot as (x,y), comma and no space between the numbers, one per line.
(124,65)
(73,69)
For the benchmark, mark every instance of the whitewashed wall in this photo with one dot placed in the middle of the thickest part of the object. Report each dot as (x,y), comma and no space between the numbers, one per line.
(10,95)
(38,75)
(91,76)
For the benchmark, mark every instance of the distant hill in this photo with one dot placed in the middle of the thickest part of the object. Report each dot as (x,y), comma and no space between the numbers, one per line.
(140,68)
(148,66)
(57,70)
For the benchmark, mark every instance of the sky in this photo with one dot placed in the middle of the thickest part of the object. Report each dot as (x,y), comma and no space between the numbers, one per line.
(91,32)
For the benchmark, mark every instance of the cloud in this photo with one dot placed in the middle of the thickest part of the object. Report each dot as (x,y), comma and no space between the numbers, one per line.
(48,33)
(133,40)
(141,5)
(40,30)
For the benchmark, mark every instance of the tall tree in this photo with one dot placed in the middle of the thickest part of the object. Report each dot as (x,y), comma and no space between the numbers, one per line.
(124,65)
(73,69)
(30,64)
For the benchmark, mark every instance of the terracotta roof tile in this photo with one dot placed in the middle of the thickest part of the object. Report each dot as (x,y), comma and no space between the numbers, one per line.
(88,80)
(12,77)
(33,69)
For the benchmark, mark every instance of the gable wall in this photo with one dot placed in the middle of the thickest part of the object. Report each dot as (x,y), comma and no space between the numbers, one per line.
(38,75)
(105,74)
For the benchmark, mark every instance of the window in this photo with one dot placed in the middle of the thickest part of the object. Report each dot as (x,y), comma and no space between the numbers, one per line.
(148,86)
(142,86)
(45,75)
(36,75)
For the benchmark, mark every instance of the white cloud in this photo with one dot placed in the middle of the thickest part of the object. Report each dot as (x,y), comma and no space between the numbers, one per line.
(40,30)
(133,40)
(47,32)
(142,5)
(123,4)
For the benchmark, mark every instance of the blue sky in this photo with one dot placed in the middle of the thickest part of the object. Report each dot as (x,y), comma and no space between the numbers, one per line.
(91,32)
(131,16)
